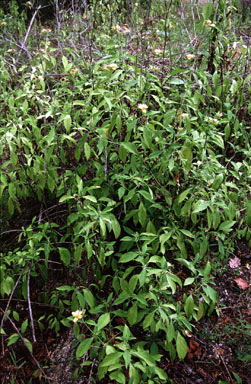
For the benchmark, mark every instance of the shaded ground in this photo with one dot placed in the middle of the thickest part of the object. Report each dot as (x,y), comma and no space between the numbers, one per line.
(219,349)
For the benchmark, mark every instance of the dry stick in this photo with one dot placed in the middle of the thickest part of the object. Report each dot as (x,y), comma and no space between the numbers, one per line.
(29,305)
(27,34)
(58,22)
(7,306)
(165,30)
(228,373)
(11,230)
(35,302)
(91,370)
(26,345)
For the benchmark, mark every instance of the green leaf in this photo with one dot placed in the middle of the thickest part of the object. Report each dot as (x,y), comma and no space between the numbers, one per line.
(189,281)
(116,228)
(200,206)
(111,359)
(183,195)
(24,326)
(189,306)
(78,253)
(187,233)
(181,346)
(67,123)
(51,183)
(130,147)
(142,214)
(103,321)
(145,356)
(65,256)
(66,64)
(227,225)
(121,192)
(66,288)
(90,299)
(217,181)
(133,283)
(12,339)
(129,256)
(90,198)
(15,315)
(87,151)
(148,320)
(146,195)
(132,314)
(200,312)
(248,213)
(28,344)
(83,347)
(218,140)
(79,102)
(161,373)
(170,333)
(12,190)
(11,208)
(118,377)
(176,81)
(7,285)
(211,293)
(127,358)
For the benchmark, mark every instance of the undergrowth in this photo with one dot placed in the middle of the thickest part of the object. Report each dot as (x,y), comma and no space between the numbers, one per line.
(125,163)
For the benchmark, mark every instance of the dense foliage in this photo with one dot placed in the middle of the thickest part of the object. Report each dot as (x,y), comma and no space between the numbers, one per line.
(125,174)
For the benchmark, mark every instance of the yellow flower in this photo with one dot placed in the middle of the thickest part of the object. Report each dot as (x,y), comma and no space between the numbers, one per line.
(125,29)
(45,30)
(90,121)
(211,120)
(158,51)
(190,56)
(111,66)
(28,3)
(4,23)
(11,50)
(209,23)
(74,71)
(219,114)
(143,107)
(77,315)
(184,115)
(117,28)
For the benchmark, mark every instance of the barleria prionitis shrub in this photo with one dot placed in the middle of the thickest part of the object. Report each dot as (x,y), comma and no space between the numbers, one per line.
(125,171)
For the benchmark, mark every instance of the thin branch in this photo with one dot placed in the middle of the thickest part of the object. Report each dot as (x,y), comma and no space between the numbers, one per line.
(29,305)
(23,340)
(11,230)
(23,46)
(7,306)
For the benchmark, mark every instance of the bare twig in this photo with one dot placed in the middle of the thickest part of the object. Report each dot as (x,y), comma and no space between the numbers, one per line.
(23,46)
(11,230)
(167,32)
(26,345)
(7,306)
(29,305)
(90,375)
